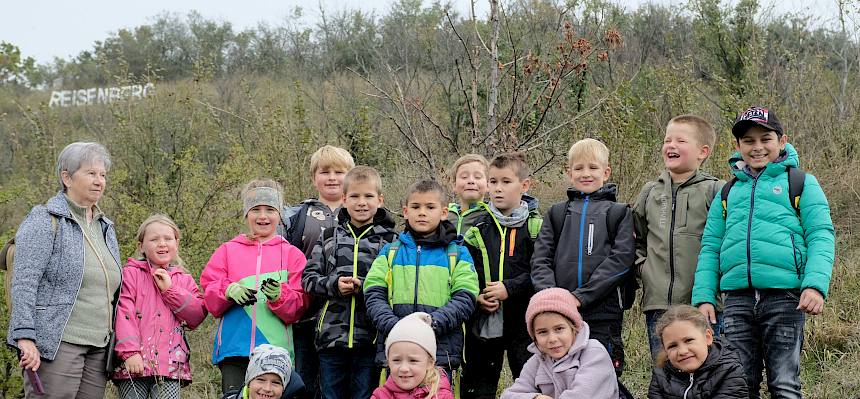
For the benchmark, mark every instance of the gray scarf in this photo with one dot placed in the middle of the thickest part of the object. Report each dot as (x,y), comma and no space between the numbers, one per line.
(517,217)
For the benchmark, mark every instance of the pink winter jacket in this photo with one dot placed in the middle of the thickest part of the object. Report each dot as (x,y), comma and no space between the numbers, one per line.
(390,390)
(151,323)
(585,372)
(249,262)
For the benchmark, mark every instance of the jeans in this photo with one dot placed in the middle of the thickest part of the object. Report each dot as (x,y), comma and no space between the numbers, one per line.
(307,359)
(347,373)
(654,341)
(766,331)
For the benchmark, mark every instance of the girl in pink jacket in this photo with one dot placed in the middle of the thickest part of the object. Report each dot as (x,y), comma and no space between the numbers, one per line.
(566,364)
(253,284)
(410,351)
(157,301)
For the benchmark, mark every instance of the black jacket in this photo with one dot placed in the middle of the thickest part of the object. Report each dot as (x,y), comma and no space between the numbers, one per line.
(721,376)
(581,256)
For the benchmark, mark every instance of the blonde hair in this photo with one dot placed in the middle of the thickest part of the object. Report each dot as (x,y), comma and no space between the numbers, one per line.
(514,160)
(431,380)
(679,313)
(467,159)
(167,221)
(362,174)
(329,156)
(704,133)
(587,150)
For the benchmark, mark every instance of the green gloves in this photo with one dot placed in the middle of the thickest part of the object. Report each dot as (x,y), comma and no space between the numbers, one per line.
(243,296)
(271,288)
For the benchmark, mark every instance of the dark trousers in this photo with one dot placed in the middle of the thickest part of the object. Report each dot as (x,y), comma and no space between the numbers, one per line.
(484,361)
(608,333)
(77,371)
(307,358)
(766,331)
(233,373)
(347,373)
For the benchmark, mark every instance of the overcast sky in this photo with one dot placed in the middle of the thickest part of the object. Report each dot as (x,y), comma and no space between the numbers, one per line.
(63,28)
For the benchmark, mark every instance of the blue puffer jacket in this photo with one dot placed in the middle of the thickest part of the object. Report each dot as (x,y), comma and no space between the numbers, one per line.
(49,269)
(761,243)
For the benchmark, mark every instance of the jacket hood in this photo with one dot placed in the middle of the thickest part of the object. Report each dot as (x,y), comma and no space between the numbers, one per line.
(445,233)
(244,240)
(787,158)
(697,177)
(568,361)
(531,202)
(608,192)
(382,218)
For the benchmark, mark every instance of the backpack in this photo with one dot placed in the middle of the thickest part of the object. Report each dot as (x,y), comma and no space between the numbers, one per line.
(796,181)
(7,260)
(296,231)
(614,216)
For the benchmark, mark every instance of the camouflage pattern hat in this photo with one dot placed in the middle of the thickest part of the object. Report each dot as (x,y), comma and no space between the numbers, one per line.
(262,196)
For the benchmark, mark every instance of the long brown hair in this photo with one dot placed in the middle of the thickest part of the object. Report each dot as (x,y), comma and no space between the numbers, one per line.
(679,313)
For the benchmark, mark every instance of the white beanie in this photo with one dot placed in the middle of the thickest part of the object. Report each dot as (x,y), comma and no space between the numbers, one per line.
(415,328)
(269,359)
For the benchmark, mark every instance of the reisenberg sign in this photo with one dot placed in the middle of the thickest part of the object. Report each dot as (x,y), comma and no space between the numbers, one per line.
(98,95)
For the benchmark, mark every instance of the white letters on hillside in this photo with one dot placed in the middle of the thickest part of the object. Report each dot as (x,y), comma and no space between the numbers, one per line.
(98,95)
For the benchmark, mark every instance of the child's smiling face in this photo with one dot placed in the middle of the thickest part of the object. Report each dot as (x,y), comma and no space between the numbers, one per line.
(588,176)
(686,345)
(409,364)
(470,182)
(760,146)
(159,244)
(328,181)
(263,221)
(554,334)
(682,153)
(266,386)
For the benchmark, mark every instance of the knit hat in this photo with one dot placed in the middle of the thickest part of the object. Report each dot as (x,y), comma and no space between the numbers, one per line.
(415,328)
(262,196)
(558,300)
(756,116)
(269,359)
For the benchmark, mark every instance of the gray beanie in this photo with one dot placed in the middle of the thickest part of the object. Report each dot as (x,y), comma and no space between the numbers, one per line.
(416,328)
(269,359)
(262,196)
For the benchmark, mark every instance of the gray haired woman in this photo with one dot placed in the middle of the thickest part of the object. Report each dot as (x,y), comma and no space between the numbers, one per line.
(65,282)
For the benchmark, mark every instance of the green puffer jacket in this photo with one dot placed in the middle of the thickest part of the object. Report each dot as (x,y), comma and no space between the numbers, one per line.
(669,226)
(762,243)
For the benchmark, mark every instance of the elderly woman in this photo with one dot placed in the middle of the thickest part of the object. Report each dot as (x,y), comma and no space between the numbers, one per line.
(65,282)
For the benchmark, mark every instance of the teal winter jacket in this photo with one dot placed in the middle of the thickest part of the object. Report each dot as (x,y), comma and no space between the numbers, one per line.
(762,243)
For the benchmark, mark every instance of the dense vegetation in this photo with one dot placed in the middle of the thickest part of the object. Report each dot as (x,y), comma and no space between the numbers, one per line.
(410,90)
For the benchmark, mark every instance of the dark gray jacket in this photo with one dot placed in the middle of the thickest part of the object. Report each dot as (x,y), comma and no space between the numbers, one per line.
(721,376)
(581,257)
(48,272)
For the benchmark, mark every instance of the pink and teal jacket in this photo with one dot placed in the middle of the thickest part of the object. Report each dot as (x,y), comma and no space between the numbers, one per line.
(248,263)
(151,323)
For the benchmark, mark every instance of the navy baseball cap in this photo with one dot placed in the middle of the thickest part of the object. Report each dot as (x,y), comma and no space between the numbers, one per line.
(756,116)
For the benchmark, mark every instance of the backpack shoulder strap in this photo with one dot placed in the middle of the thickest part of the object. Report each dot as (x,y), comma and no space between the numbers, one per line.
(614,216)
(796,181)
(297,226)
(556,215)
(724,194)
(453,252)
(534,225)
(389,277)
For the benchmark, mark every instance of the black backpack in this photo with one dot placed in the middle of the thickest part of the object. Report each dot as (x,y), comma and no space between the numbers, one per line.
(614,216)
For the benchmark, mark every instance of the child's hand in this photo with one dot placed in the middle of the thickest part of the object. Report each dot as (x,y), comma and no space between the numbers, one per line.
(243,296)
(271,288)
(811,301)
(162,279)
(496,291)
(488,306)
(356,285)
(134,364)
(345,285)
(708,310)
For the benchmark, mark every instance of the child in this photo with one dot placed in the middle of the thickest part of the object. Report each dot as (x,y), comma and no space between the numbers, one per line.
(270,375)
(424,270)
(669,217)
(586,246)
(336,272)
(501,245)
(469,174)
(157,300)
(241,269)
(410,350)
(566,363)
(770,255)
(699,366)
(303,225)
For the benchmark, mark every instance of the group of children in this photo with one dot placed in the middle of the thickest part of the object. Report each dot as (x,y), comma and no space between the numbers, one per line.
(365,311)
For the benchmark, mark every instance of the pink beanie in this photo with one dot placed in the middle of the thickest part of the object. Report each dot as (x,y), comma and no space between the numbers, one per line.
(557,300)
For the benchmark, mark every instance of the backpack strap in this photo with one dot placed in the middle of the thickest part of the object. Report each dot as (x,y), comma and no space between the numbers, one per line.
(389,277)
(453,252)
(297,226)
(534,225)
(614,216)
(796,181)
(724,195)
(556,217)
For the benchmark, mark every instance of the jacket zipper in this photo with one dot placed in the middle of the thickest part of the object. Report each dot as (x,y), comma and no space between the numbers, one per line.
(749,227)
(417,268)
(672,247)
(590,237)
(689,387)
(795,252)
(354,275)
(581,234)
